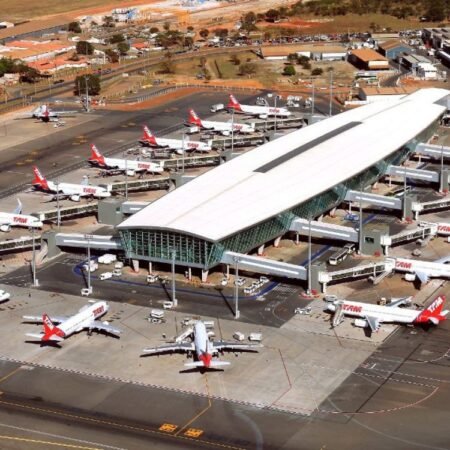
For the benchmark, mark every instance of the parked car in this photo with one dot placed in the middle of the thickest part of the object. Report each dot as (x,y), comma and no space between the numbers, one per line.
(105,275)
(4,295)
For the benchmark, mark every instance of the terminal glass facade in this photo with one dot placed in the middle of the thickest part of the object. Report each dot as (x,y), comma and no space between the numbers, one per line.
(159,245)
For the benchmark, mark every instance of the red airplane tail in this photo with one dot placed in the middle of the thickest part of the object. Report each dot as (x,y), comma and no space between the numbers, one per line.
(51,332)
(148,136)
(194,119)
(433,313)
(39,180)
(234,104)
(96,156)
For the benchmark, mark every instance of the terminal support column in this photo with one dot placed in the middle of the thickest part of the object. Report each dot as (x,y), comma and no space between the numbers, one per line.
(135,265)
(277,241)
(150,267)
(261,250)
(443,180)
(205,274)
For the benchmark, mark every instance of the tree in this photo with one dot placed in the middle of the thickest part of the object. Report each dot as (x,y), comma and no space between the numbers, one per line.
(316,72)
(116,38)
(292,58)
(84,48)
(123,48)
(247,69)
(190,28)
(92,82)
(167,66)
(204,33)
(112,55)
(248,21)
(272,15)
(289,70)
(436,10)
(154,30)
(188,41)
(166,26)
(108,22)
(74,27)
(222,33)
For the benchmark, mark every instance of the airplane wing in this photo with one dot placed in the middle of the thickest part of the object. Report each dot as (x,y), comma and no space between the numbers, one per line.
(65,113)
(102,326)
(422,276)
(181,347)
(374,322)
(223,345)
(402,301)
(38,319)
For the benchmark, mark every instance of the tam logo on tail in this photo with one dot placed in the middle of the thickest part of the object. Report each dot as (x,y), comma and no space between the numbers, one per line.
(96,156)
(234,103)
(433,313)
(50,330)
(148,136)
(194,119)
(39,180)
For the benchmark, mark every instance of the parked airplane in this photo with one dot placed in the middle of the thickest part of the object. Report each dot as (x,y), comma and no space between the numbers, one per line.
(86,318)
(178,145)
(373,316)
(263,112)
(68,190)
(131,166)
(223,128)
(422,270)
(44,113)
(202,347)
(17,219)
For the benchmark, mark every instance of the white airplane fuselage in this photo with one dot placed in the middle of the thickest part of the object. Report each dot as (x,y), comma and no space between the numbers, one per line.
(18,220)
(431,269)
(80,190)
(227,127)
(83,318)
(133,165)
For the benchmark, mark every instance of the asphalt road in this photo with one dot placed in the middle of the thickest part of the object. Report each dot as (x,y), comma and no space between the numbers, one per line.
(397,399)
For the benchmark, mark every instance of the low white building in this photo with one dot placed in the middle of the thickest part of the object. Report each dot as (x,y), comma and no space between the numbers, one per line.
(427,71)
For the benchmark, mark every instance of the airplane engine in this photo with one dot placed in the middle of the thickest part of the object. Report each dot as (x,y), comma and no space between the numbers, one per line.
(330,307)
(263,116)
(131,173)
(360,323)
(75,197)
(226,133)
(5,228)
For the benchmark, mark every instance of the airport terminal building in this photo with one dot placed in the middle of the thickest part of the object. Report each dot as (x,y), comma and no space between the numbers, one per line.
(255,197)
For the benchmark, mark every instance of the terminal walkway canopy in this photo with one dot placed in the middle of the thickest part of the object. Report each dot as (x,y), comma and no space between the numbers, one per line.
(255,197)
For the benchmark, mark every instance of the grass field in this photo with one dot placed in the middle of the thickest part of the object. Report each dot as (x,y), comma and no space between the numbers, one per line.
(353,23)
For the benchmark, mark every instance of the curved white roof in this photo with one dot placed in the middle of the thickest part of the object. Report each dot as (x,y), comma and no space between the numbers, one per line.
(273,177)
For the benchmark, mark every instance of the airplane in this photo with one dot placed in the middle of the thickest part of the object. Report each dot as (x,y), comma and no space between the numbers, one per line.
(17,219)
(263,112)
(85,318)
(131,166)
(373,316)
(68,190)
(201,346)
(422,270)
(178,145)
(44,113)
(223,128)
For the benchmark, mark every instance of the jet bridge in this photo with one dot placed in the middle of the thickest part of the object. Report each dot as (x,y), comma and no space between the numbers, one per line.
(374,199)
(94,241)
(433,205)
(422,232)
(409,172)
(22,243)
(262,265)
(324,230)
(433,150)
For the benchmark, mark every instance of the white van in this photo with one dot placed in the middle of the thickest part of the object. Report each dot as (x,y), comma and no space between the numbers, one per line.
(105,275)
(93,266)
(107,258)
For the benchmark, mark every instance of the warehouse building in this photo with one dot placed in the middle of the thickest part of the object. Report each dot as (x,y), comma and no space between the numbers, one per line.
(368,59)
(393,48)
(254,198)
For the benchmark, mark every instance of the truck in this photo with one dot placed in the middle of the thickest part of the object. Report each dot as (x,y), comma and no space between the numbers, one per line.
(92,266)
(105,275)
(107,258)
(217,107)
(156,316)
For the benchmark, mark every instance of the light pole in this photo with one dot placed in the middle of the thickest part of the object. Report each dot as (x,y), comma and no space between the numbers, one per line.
(236,288)
(58,211)
(183,150)
(313,98)
(360,220)
(404,194)
(126,175)
(331,93)
(88,237)
(309,257)
(232,130)
(174,298)
(442,168)
(33,262)
(275,118)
